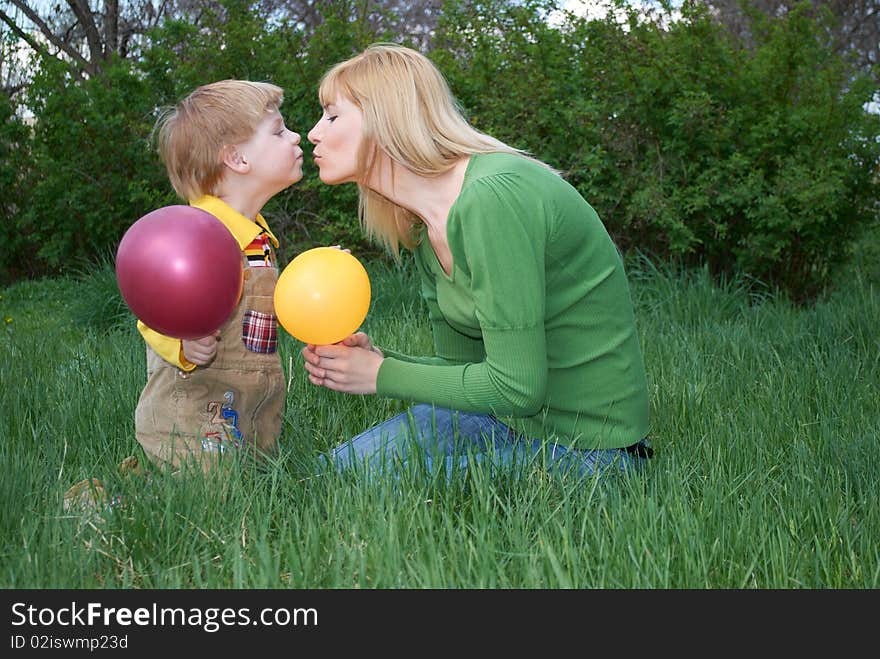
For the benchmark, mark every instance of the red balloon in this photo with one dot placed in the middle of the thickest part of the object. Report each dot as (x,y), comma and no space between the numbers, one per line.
(179,271)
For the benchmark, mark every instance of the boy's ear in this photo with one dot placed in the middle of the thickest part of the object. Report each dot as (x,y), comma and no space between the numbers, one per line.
(235,159)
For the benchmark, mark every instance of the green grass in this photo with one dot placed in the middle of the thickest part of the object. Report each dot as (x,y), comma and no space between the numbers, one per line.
(765,421)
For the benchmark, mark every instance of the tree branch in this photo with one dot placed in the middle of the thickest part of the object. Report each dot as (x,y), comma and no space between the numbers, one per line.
(111,27)
(84,15)
(66,48)
(46,32)
(21,34)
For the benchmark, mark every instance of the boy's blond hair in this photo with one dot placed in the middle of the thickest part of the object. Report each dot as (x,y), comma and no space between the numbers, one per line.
(193,134)
(411,115)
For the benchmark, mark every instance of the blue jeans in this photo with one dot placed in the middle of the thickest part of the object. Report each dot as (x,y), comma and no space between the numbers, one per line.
(452,439)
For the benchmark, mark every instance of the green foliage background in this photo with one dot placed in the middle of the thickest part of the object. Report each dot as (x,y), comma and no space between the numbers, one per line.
(751,159)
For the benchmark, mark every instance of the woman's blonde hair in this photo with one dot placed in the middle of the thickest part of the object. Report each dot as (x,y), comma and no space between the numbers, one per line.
(409,114)
(193,134)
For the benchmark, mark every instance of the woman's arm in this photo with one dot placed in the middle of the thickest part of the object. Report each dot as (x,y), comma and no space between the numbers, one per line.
(497,237)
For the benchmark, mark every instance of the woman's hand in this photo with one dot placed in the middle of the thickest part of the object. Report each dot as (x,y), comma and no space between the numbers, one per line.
(201,352)
(350,366)
(361,340)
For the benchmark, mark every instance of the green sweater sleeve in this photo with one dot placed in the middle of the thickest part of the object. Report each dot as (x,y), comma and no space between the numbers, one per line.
(450,347)
(504,387)
(497,243)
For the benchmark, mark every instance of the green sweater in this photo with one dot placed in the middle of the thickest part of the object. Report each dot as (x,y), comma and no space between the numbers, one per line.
(535,325)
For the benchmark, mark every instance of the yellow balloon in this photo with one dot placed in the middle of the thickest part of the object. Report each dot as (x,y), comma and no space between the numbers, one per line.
(322,296)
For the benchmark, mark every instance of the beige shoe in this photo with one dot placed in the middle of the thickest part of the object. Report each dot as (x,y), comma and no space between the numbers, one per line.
(89,494)
(85,496)
(131,467)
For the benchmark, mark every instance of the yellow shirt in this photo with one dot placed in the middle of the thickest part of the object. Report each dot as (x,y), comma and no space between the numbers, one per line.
(244,230)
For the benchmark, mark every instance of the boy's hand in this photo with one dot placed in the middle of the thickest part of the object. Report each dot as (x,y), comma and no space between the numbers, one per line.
(347,251)
(201,352)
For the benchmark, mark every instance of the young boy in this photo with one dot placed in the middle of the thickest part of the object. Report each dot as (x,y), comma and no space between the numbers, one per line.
(227,151)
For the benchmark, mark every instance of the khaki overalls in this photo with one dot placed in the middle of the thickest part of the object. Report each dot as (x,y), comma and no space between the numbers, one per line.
(234,403)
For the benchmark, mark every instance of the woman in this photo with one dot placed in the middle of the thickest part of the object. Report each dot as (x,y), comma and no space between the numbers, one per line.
(536,347)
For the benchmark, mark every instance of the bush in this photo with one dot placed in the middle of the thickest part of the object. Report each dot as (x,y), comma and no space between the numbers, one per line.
(753,159)
(93,170)
(15,260)
(758,160)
